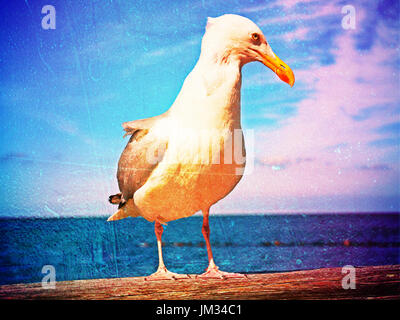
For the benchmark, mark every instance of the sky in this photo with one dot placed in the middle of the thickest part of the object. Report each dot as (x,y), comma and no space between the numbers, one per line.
(329,144)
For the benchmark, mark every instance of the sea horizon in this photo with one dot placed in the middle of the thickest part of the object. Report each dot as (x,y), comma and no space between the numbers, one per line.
(199,214)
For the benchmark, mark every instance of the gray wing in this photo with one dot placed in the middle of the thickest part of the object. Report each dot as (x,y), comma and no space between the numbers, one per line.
(140,157)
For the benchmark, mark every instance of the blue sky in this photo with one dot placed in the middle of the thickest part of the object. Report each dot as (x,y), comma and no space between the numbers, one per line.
(330,143)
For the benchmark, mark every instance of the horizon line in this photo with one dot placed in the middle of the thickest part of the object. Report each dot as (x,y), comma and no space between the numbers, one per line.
(276,213)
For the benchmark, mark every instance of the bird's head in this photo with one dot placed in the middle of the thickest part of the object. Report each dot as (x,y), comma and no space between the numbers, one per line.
(235,38)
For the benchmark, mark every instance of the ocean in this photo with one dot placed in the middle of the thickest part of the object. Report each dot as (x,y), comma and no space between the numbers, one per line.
(90,248)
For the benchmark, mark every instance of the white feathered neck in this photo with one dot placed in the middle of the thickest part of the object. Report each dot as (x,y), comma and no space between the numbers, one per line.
(210,95)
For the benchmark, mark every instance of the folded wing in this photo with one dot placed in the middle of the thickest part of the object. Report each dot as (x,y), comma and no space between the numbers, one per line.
(140,157)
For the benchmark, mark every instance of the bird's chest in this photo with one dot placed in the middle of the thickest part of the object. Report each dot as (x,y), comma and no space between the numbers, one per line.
(195,153)
(198,169)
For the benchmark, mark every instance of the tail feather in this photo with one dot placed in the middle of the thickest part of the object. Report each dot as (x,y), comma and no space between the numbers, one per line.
(129,209)
(115,198)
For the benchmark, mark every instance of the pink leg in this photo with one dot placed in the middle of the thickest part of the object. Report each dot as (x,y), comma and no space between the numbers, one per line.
(213,271)
(162,273)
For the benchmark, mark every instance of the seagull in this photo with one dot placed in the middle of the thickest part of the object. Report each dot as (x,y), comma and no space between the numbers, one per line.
(185,160)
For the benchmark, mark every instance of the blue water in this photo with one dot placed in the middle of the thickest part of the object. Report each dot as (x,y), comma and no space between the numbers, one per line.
(88,248)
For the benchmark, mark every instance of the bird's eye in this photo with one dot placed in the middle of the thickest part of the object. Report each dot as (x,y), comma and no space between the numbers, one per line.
(255,36)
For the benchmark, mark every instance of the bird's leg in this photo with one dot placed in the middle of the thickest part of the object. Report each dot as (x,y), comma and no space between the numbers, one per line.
(213,271)
(162,273)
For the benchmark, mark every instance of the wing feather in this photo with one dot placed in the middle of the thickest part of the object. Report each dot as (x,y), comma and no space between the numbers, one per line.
(140,157)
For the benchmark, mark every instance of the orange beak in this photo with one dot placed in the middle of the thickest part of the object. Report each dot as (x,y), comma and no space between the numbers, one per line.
(282,70)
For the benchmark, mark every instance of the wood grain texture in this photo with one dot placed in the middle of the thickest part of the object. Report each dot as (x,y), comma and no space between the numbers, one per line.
(373,282)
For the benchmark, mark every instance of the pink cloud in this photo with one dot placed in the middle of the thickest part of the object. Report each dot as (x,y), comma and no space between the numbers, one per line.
(298,34)
(286,4)
(289,15)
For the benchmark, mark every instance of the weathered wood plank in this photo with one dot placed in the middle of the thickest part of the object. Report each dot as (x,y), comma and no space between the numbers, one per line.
(376,282)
